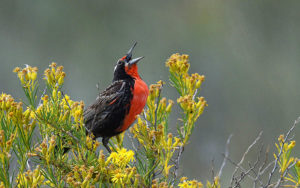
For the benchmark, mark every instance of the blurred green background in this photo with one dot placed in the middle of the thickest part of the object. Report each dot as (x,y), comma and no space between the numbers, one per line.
(249,52)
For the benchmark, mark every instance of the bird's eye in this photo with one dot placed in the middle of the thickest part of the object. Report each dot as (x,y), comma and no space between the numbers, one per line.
(118,65)
(120,62)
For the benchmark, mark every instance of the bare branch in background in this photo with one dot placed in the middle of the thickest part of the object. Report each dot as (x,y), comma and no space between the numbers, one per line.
(226,154)
(260,172)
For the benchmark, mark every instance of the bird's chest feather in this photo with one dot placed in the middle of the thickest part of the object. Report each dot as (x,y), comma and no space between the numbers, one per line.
(138,102)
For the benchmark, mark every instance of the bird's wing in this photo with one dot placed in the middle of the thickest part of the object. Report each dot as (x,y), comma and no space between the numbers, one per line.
(96,114)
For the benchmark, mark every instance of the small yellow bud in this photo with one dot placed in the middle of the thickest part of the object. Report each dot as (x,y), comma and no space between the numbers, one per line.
(292,144)
(59,94)
(170,136)
(136,180)
(31,154)
(281,138)
(33,76)
(53,64)
(154,181)
(11,114)
(60,80)
(17,69)
(54,94)
(169,107)
(183,179)
(163,103)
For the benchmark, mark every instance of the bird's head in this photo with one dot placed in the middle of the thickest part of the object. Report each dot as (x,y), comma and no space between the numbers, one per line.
(127,67)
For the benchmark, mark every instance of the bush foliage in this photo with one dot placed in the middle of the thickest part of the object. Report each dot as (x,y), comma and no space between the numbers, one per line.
(34,133)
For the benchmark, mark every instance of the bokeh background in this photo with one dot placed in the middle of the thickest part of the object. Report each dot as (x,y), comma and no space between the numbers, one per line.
(249,52)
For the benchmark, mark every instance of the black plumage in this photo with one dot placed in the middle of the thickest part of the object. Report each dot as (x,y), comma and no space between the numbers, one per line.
(106,114)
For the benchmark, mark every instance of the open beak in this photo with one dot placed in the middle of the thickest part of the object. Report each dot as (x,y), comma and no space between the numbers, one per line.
(134,61)
(129,53)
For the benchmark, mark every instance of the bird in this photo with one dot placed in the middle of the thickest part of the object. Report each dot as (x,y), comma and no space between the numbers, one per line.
(116,108)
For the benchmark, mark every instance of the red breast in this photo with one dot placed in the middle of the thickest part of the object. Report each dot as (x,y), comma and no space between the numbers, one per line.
(140,93)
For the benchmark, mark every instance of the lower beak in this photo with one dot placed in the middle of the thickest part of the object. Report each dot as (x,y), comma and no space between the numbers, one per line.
(134,61)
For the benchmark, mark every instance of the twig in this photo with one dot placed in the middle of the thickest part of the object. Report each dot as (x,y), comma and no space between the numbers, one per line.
(234,164)
(28,163)
(247,173)
(257,178)
(246,152)
(44,92)
(267,167)
(226,154)
(194,95)
(132,142)
(177,161)
(97,86)
(242,176)
(212,170)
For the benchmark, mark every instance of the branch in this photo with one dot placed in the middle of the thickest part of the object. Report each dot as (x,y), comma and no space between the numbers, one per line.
(246,152)
(226,154)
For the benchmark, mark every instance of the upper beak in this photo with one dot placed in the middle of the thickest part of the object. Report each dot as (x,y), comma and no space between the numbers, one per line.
(134,61)
(129,53)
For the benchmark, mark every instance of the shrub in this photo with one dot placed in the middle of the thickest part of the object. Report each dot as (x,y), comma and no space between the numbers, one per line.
(36,132)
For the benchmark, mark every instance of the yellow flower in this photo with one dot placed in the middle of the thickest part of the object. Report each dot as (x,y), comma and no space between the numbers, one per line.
(17,69)
(118,178)
(178,63)
(121,158)
(281,138)
(168,109)
(27,75)
(183,184)
(190,184)
(292,144)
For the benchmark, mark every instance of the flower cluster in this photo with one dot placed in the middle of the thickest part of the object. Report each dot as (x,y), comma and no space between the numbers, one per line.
(187,86)
(15,124)
(26,75)
(13,111)
(178,64)
(192,110)
(157,111)
(184,83)
(115,168)
(31,178)
(62,109)
(57,113)
(185,183)
(54,76)
(285,160)
(5,145)
(156,144)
